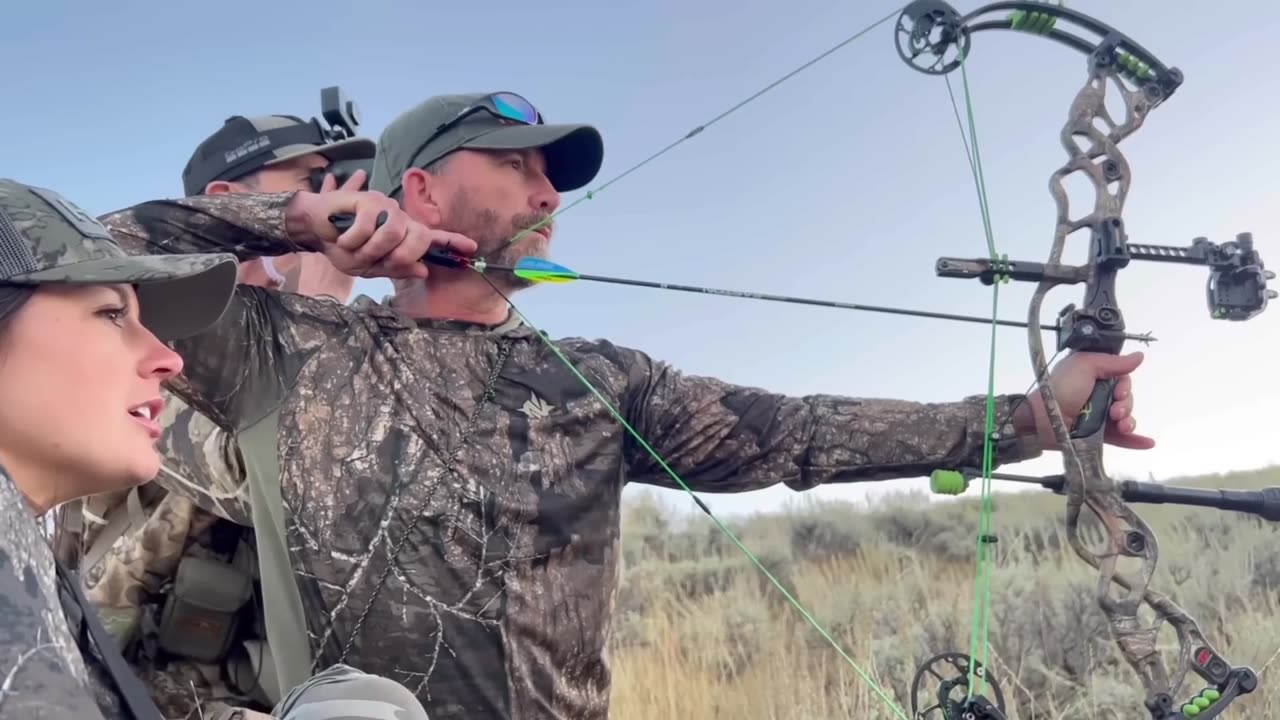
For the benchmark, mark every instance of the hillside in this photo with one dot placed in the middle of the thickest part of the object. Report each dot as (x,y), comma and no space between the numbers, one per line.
(700,633)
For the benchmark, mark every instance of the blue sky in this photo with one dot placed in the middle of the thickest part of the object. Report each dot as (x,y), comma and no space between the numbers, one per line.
(847,182)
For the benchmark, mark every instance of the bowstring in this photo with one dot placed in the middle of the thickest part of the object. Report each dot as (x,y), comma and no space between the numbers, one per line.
(657,457)
(590,194)
(979,633)
(978,637)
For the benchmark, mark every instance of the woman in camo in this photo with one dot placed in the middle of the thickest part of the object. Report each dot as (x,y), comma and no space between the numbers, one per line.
(82,358)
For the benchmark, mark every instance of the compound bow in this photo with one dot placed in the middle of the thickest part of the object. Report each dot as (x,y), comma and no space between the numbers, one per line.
(934,39)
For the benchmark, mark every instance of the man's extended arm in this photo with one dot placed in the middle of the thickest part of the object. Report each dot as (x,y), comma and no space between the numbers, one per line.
(246,225)
(721,437)
(238,369)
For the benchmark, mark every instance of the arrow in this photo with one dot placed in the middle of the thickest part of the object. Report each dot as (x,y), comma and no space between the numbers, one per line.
(545,271)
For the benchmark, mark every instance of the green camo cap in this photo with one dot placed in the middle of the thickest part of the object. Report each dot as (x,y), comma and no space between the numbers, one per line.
(574,153)
(44,238)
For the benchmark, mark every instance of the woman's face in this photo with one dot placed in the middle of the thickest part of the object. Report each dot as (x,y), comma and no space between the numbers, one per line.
(80,381)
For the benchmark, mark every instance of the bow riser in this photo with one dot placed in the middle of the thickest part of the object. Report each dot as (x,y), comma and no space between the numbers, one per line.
(1099,326)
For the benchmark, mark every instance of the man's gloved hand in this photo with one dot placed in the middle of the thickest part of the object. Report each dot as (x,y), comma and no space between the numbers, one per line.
(1072,381)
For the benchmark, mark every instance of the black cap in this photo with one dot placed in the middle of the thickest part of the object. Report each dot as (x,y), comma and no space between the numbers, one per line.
(245,145)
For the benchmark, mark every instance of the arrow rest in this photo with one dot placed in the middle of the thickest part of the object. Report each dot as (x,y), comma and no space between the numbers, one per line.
(951,699)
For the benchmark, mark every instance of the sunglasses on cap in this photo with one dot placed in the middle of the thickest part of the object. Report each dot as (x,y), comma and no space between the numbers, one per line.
(502,105)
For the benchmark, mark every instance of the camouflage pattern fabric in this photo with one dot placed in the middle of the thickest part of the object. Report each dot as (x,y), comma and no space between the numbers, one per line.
(43,673)
(128,585)
(50,239)
(505,504)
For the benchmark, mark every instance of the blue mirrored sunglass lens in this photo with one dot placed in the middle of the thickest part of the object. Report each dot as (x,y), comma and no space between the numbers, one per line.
(515,107)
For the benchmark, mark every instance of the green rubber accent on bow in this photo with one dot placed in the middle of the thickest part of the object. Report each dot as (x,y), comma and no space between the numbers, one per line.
(1000,266)
(1190,710)
(1033,22)
(947,482)
(1211,694)
(1134,67)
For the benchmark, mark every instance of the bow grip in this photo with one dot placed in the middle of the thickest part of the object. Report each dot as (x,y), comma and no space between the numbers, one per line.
(1093,416)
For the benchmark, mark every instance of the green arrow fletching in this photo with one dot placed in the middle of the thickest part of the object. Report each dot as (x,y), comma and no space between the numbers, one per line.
(543,271)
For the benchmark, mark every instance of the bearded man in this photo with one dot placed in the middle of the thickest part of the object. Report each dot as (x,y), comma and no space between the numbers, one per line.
(443,481)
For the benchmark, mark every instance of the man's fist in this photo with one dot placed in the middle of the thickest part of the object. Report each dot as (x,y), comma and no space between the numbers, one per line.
(1072,382)
(392,248)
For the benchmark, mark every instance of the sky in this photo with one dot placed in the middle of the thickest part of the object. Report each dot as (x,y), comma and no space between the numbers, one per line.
(846,182)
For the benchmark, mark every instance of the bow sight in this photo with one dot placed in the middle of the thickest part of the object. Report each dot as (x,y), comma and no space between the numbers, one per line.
(343,117)
(1236,289)
(935,39)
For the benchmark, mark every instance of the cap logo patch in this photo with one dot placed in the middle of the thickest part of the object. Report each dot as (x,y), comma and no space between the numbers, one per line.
(83,222)
(246,148)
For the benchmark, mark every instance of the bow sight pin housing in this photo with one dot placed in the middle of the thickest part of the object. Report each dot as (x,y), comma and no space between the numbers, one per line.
(343,118)
(1237,287)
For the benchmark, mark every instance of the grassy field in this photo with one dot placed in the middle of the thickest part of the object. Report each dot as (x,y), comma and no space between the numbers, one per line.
(701,634)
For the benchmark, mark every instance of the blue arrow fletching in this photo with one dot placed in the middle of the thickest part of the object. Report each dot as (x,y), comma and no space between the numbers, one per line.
(539,270)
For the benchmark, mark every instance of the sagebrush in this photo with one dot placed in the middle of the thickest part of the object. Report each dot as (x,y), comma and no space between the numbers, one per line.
(701,633)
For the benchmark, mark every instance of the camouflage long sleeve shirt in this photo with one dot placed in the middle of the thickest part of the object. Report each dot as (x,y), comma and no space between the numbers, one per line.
(44,673)
(487,472)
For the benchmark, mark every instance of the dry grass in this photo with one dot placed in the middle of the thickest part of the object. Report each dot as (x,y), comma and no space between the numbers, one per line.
(701,634)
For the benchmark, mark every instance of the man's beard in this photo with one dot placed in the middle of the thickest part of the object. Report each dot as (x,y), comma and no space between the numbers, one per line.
(493,237)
